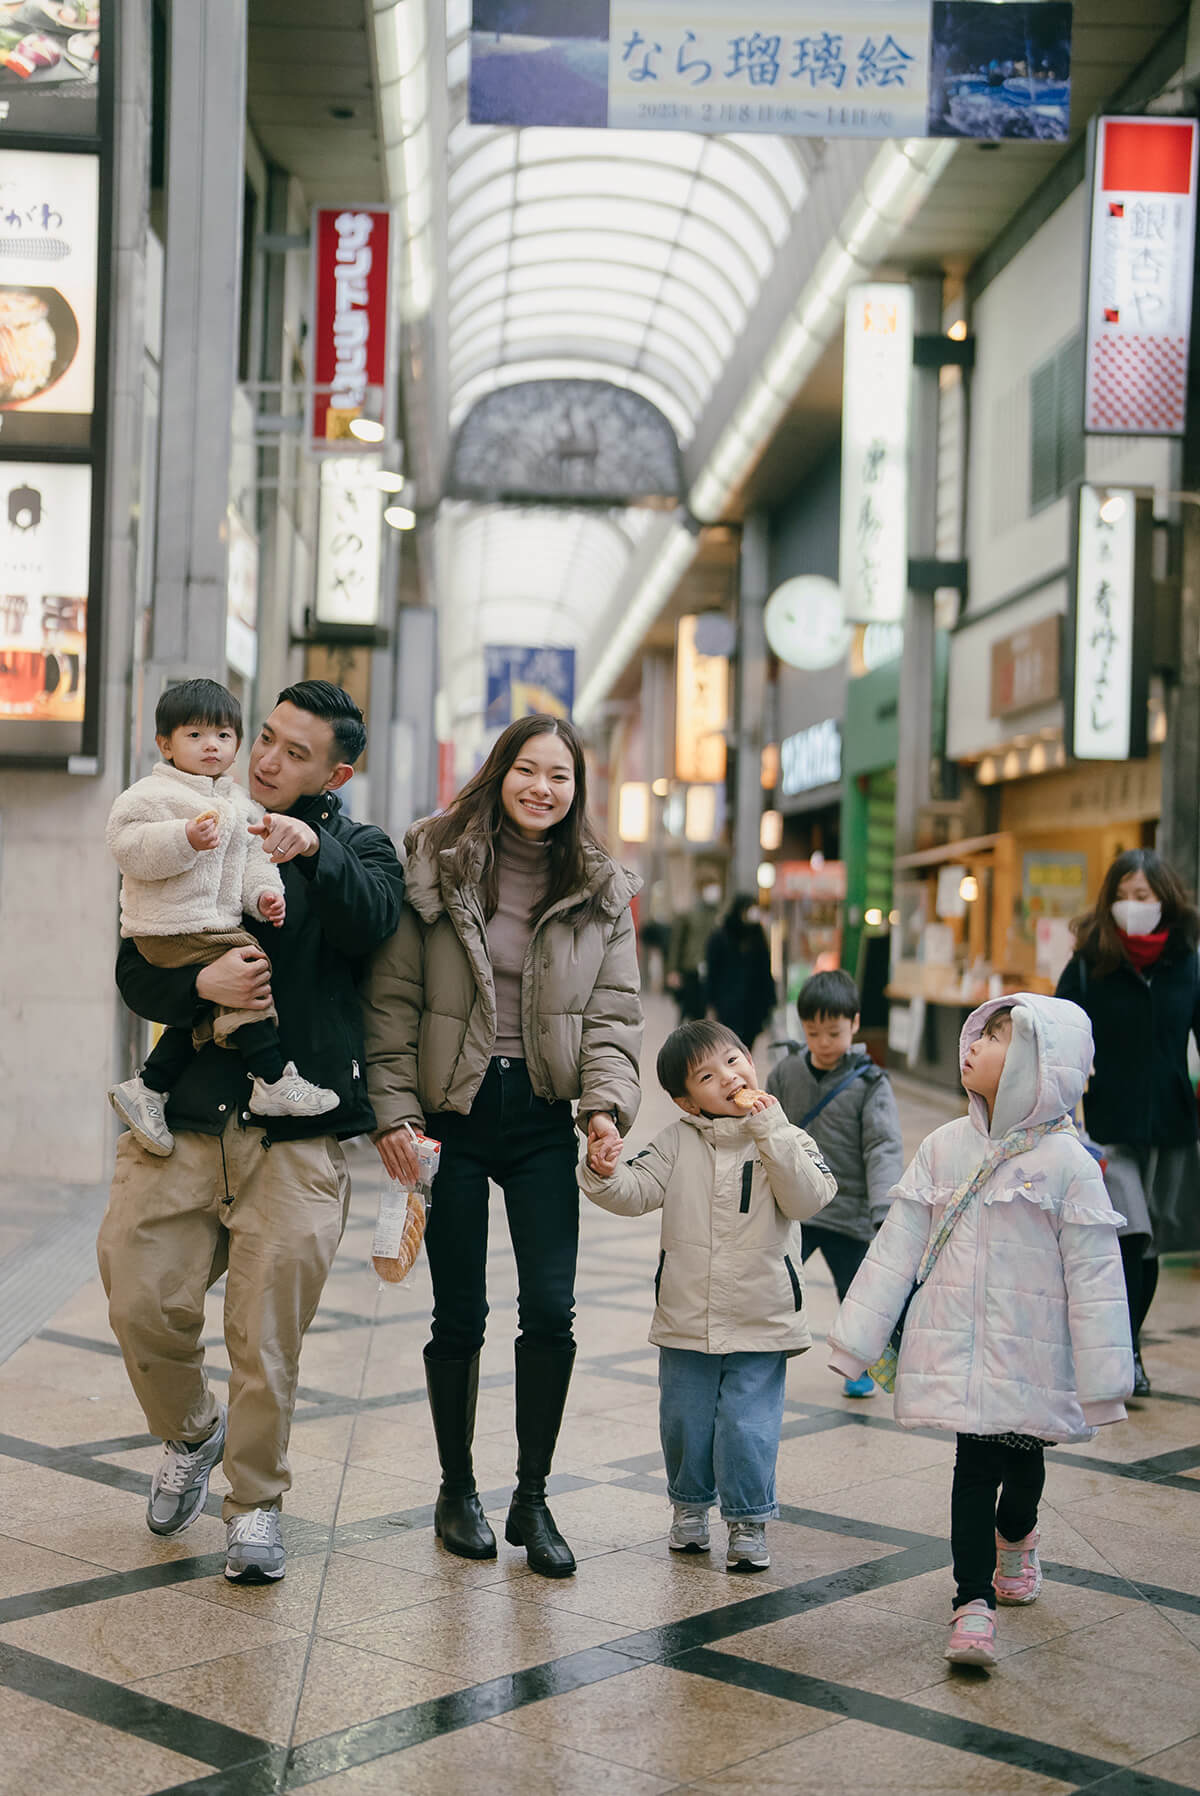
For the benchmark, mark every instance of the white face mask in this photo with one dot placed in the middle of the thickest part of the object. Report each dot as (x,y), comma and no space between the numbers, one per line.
(711,895)
(1137,916)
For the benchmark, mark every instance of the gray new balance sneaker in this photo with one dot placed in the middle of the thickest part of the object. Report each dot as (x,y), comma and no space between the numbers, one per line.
(689,1529)
(290,1095)
(747,1547)
(254,1548)
(142,1112)
(180,1482)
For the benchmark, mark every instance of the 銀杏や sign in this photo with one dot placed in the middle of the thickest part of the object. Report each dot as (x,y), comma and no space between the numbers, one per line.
(876,386)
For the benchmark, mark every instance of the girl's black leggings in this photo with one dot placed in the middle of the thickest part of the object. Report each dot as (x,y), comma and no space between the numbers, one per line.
(982,1468)
(1141,1280)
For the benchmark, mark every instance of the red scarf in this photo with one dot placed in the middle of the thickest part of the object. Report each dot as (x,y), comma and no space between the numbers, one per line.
(1143,950)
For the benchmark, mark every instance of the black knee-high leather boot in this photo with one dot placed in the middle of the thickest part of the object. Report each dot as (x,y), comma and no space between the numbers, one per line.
(458,1518)
(543,1379)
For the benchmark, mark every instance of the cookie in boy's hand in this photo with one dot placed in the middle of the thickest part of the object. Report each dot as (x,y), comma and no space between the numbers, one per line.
(745,1099)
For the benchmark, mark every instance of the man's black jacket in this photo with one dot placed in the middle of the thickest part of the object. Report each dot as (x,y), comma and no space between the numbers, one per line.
(341,904)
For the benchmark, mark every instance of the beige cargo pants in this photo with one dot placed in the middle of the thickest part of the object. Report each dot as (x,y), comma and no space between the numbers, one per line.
(270,1218)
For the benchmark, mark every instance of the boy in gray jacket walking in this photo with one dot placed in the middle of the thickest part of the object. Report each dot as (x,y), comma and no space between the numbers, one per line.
(834,1090)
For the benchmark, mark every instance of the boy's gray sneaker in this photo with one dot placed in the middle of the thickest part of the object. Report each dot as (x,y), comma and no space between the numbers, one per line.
(180,1482)
(144,1114)
(747,1547)
(689,1530)
(290,1095)
(254,1548)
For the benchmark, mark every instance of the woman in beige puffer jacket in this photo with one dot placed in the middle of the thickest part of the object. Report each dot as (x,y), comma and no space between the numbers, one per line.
(508,992)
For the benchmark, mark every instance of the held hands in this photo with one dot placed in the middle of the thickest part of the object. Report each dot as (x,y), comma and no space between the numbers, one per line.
(204,831)
(272,908)
(605,1144)
(398,1152)
(285,837)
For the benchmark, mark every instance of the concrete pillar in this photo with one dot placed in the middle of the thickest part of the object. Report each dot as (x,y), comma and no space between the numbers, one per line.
(917,659)
(205,178)
(1179,830)
(753,587)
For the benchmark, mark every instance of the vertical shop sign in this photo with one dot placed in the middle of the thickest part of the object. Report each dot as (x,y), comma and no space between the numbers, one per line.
(241,598)
(350,362)
(1139,305)
(45,544)
(349,544)
(701,710)
(1108,674)
(876,389)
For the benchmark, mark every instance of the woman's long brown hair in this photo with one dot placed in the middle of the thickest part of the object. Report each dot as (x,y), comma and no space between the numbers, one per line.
(471,824)
(1096,934)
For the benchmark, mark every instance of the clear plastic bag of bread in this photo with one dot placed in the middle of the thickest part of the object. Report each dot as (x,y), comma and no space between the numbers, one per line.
(400,1224)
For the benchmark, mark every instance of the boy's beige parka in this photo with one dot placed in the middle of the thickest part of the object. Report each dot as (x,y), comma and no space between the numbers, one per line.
(733,1192)
(430,1001)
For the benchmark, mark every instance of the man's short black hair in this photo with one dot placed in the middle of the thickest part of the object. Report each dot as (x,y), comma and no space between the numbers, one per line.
(686,1047)
(335,707)
(828,994)
(197,701)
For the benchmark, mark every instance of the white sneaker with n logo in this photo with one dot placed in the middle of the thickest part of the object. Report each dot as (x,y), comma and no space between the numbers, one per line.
(290,1095)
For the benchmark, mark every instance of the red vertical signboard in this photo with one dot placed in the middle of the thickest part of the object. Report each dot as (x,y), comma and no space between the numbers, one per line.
(1140,276)
(350,372)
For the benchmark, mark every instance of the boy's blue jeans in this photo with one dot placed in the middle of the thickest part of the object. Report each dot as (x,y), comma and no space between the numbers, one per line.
(719,1416)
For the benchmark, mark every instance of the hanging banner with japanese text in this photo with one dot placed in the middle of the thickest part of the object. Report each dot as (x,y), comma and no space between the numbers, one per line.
(808,68)
(1108,666)
(349,544)
(876,390)
(1139,309)
(350,361)
(49,232)
(701,709)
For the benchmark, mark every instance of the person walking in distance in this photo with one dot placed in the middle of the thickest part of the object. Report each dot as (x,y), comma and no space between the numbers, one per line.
(509,990)
(740,985)
(261,1199)
(1135,973)
(686,949)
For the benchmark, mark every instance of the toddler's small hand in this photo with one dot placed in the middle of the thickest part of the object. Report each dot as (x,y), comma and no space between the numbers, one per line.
(764,1101)
(204,831)
(272,907)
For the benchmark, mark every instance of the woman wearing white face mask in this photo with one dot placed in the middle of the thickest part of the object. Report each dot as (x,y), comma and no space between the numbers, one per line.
(1135,972)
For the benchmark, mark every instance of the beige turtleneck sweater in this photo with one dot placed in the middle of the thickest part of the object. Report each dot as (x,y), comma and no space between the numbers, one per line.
(523,870)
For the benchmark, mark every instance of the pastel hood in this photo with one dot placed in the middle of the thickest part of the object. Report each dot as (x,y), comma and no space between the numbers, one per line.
(1048,1064)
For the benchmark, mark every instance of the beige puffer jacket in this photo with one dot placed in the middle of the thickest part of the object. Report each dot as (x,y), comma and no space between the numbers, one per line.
(733,1193)
(430,1000)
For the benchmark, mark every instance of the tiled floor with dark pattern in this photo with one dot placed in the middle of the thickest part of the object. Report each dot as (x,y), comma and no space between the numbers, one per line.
(128,1665)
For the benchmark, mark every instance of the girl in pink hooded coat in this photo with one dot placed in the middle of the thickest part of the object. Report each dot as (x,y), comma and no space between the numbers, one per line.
(1019,1335)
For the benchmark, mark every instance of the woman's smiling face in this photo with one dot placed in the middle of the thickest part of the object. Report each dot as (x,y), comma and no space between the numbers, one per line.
(539,787)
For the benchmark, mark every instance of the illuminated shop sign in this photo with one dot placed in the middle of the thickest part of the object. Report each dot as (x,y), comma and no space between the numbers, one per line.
(350,367)
(49,67)
(49,228)
(876,388)
(45,547)
(1139,305)
(349,543)
(701,709)
(1108,684)
(803,68)
(811,758)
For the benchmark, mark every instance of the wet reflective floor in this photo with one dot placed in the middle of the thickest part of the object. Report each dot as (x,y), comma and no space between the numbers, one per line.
(381,1664)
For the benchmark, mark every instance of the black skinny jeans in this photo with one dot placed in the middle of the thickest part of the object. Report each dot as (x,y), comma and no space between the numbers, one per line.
(528,1145)
(981,1468)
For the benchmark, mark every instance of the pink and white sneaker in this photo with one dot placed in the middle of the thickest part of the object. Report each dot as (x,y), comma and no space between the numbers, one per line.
(1018,1576)
(972,1635)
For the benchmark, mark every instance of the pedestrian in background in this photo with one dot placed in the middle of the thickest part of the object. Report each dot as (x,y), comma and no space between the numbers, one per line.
(834,1090)
(509,989)
(740,987)
(1135,972)
(686,950)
